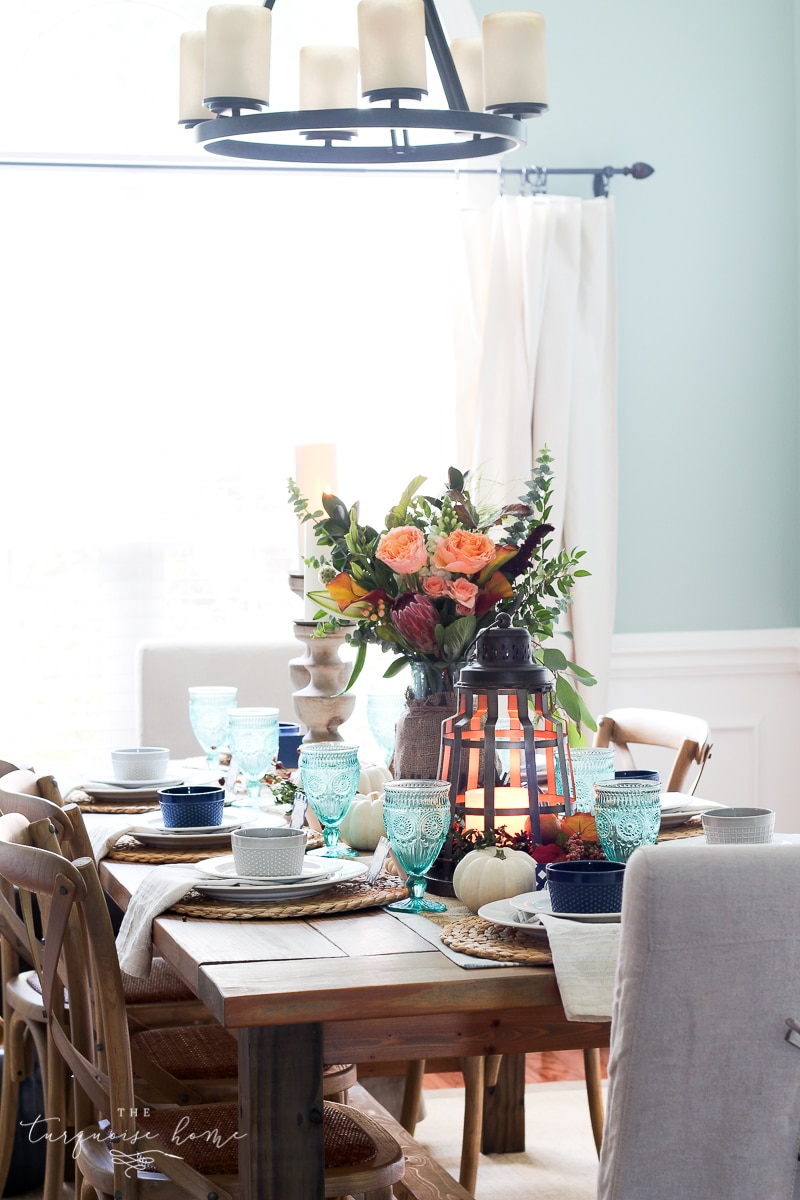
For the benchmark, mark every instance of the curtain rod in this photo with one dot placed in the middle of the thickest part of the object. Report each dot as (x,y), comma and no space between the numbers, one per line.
(533,179)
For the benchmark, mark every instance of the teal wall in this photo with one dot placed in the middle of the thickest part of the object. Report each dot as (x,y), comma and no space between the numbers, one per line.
(709,408)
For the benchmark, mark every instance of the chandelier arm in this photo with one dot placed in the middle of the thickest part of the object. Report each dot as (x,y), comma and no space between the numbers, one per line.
(453,89)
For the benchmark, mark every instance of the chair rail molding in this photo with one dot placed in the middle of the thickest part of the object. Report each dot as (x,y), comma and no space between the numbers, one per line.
(745,683)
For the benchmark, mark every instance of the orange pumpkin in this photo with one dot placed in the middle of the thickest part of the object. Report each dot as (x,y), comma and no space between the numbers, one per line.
(581,825)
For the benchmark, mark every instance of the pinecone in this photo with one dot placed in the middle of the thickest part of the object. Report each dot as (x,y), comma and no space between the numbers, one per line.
(577,848)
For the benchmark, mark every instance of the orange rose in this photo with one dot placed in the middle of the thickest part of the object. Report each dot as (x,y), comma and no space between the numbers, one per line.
(434,586)
(464,593)
(403,549)
(463,552)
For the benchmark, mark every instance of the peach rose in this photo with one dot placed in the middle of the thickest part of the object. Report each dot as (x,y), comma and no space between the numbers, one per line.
(435,586)
(403,549)
(464,552)
(464,593)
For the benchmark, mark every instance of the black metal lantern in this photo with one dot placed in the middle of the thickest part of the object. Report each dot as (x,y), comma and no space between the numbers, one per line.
(499,751)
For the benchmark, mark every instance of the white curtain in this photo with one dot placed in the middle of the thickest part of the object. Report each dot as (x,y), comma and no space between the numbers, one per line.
(536,353)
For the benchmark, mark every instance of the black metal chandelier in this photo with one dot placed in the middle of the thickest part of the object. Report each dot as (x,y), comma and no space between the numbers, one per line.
(491,84)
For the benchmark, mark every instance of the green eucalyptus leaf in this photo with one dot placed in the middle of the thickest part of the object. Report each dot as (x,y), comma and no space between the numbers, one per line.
(568,698)
(395,668)
(554,659)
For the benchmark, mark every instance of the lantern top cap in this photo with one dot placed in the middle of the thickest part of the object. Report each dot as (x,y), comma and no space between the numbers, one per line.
(504,660)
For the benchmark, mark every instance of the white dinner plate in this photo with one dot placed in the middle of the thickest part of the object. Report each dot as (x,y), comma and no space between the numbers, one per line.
(134,785)
(223,867)
(230,820)
(500,912)
(539,902)
(678,808)
(248,893)
(150,832)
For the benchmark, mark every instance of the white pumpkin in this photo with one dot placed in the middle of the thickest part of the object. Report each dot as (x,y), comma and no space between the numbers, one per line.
(494,873)
(372,779)
(362,827)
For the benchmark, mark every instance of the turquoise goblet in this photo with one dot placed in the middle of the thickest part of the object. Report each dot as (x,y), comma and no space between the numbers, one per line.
(253,734)
(416,813)
(208,714)
(627,813)
(329,774)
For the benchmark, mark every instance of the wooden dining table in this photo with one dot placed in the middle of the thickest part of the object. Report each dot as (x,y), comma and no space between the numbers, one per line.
(359,987)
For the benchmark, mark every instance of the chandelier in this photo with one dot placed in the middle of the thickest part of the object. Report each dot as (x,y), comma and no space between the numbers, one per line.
(491,84)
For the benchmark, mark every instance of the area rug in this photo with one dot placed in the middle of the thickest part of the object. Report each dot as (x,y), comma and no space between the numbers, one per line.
(559,1162)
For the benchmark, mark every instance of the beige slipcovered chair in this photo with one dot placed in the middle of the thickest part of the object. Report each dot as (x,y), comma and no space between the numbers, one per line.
(165,670)
(704,1068)
(687,735)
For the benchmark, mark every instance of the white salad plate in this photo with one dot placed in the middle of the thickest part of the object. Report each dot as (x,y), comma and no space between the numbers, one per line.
(536,903)
(135,785)
(223,867)
(500,912)
(677,808)
(248,893)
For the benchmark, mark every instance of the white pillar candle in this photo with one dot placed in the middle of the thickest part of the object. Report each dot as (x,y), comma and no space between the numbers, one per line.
(391,42)
(315,474)
(192,68)
(237,51)
(328,77)
(467,55)
(514,60)
(504,799)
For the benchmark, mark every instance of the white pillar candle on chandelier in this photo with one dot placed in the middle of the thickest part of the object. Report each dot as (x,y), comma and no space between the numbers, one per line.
(467,55)
(514,59)
(328,77)
(192,74)
(315,474)
(238,40)
(391,42)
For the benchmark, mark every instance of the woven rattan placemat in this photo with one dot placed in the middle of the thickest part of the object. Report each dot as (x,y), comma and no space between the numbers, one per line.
(690,829)
(482,939)
(345,897)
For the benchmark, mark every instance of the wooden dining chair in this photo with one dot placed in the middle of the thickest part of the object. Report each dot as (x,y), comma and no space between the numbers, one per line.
(123,1152)
(704,1064)
(688,736)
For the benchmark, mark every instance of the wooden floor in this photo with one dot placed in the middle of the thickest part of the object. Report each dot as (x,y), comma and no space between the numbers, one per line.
(550,1067)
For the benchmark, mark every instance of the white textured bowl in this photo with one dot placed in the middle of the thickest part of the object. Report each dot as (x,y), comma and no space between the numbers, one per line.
(269,852)
(142,762)
(727,826)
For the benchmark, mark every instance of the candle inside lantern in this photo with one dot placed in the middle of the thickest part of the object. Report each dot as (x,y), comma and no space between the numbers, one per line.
(391,42)
(514,60)
(315,474)
(328,77)
(192,71)
(238,38)
(505,799)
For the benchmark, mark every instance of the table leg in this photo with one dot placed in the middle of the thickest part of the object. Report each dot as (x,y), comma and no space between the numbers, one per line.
(280,1113)
(504,1109)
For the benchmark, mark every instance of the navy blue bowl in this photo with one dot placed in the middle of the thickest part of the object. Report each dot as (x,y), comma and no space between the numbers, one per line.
(191,805)
(655,776)
(586,886)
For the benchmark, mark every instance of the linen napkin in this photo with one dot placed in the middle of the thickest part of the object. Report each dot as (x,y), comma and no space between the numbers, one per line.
(105,830)
(160,888)
(585,962)
(433,934)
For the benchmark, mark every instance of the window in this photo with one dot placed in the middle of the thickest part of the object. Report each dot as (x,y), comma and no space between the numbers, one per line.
(170,334)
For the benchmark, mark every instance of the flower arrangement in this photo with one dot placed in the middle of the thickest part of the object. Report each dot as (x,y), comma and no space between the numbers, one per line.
(439,571)
(424,586)
(563,839)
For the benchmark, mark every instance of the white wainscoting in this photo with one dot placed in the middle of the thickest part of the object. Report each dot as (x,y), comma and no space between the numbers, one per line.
(746,684)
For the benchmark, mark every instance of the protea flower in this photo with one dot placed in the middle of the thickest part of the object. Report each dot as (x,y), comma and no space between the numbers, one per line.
(415,618)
